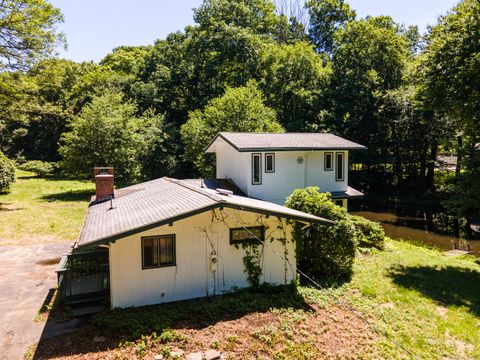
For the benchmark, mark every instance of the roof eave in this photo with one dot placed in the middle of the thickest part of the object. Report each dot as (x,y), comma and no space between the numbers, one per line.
(219,135)
(278,149)
(123,234)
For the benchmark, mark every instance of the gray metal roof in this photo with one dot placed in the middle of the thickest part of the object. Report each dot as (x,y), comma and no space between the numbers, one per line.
(283,142)
(350,193)
(154,203)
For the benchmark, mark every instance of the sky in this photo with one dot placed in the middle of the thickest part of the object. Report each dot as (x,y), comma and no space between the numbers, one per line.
(94,27)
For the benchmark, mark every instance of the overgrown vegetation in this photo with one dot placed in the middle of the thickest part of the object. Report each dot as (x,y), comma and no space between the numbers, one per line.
(324,252)
(7,173)
(40,168)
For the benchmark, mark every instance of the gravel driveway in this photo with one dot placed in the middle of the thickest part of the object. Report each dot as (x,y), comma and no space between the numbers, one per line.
(26,275)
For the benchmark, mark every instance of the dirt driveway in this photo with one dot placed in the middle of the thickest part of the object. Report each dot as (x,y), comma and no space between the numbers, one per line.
(26,275)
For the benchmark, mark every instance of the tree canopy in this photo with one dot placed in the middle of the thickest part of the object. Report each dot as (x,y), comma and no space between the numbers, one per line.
(27,32)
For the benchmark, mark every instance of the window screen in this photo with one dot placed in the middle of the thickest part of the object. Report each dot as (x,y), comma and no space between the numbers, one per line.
(247,235)
(269,163)
(256,169)
(339,166)
(158,251)
(328,161)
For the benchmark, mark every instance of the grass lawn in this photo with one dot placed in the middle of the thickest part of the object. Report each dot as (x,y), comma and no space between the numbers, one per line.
(43,210)
(426,301)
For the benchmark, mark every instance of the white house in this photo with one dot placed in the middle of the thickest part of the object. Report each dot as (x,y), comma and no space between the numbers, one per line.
(167,240)
(270,166)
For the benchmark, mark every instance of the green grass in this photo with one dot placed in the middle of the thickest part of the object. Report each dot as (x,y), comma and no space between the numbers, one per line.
(43,210)
(428,302)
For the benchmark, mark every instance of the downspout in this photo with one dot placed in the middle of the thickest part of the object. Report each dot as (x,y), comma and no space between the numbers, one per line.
(305,170)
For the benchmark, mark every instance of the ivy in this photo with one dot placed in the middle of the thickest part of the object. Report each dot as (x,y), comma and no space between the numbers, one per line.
(251,261)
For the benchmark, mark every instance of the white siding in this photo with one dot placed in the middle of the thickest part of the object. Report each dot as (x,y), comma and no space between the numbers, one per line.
(234,165)
(289,175)
(192,277)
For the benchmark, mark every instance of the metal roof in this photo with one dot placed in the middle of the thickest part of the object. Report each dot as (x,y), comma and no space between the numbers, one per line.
(158,202)
(245,142)
(350,193)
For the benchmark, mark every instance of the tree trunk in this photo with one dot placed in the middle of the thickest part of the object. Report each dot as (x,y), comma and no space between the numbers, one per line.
(458,168)
(429,180)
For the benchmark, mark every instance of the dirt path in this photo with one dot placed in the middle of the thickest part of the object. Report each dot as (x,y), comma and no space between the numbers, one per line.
(26,275)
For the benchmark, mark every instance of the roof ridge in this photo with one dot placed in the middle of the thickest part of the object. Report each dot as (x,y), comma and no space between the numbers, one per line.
(196,189)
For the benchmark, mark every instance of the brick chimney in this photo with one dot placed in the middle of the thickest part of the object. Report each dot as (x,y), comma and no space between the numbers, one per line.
(104,183)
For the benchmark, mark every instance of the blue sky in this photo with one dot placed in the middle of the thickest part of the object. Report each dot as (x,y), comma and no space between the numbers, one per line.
(94,27)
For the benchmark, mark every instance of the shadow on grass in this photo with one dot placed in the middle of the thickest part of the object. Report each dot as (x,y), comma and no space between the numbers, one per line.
(132,323)
(71,195)
(448,285)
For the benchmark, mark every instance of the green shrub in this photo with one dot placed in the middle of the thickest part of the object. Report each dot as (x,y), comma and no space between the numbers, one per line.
(368,233)
(40,168)
(324,252)
(7,172)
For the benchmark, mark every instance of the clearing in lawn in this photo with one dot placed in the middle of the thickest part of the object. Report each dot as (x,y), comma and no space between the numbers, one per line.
(40,210)
(427,302)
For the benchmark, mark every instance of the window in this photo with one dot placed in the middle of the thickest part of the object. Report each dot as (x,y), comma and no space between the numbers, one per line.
(339,203)
(339,166)
(158,251)
(247,235)
(328,161)
(256,169)
(270,163)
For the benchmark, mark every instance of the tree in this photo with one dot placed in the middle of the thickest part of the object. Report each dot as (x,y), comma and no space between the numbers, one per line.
(450,86)
(7,173)
(369,59)
(324,252)
(256,15)
(239,109)
(326,17)
(295,81)
(105,133)
(27,32)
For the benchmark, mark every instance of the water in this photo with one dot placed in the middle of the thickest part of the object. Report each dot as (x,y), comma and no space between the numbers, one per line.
(411,228)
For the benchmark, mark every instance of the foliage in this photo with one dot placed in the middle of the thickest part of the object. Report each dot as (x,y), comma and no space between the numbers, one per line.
(239,109)
(368,233)
(27,32)
(105,133)
(361,77)
(324,252)
(41,168)
(251,262)
(326,17)
(7,173)
(295,81)
(255,15)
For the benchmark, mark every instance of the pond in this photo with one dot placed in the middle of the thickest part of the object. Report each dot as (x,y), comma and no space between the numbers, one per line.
(412,229)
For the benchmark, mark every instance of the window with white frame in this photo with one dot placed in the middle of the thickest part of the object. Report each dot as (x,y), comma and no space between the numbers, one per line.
(339,166)
(328,161)
(269,162)
(256,169)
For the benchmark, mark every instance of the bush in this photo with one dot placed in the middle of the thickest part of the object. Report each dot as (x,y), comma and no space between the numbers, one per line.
(324,252)
(7,172)
(368,233)
(40,168)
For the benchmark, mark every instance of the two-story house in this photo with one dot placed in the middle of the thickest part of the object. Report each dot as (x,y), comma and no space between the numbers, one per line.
(270,166)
